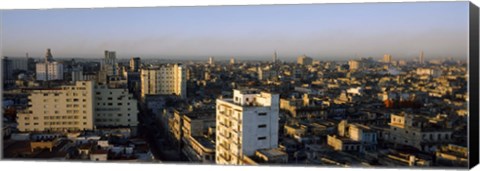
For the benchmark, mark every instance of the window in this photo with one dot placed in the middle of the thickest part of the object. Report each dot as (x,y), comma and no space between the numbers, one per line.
(119,104)
(262,138)
(262,126)
(262,114)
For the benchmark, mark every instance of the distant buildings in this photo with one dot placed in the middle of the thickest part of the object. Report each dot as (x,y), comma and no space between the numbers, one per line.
(418,132)
(429,72)
(134,64)
(354,64)
(110,63)
(167,79)
(246,123)
(421,58)
(304,60)
(275,58)
(211,61)
(267,73)
(50,69)
(387,58)
(353,137)
(109,68)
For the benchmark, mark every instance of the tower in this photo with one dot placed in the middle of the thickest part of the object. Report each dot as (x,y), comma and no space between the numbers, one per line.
(275,57)
(421,59)
(48,56)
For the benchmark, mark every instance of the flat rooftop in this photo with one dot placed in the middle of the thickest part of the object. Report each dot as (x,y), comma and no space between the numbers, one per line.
(272,152)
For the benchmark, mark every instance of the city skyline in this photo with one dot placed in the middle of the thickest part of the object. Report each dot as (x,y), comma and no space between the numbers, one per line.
(320,31)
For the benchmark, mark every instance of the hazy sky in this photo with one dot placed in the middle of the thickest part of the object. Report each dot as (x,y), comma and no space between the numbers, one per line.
(320,31)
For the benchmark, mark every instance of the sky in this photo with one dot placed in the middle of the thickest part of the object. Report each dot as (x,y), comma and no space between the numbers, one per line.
(330,31)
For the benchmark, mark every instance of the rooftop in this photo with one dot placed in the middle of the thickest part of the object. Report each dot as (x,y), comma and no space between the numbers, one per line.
(272,152)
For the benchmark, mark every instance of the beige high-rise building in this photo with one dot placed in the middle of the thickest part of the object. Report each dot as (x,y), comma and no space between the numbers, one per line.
(304,60)
(168,79)
(59,109)
(387,58)
(82,106)
(245,124)
(134,64)
(354,64)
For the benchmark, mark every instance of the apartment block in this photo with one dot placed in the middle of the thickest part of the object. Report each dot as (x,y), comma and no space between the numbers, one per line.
(169,79)
(115,107)
(244,124)
(59,109)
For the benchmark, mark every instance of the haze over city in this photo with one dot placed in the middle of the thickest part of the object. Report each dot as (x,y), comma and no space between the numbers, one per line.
(339,31)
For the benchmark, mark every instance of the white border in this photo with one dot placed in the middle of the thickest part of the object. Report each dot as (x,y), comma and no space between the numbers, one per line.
(48,4)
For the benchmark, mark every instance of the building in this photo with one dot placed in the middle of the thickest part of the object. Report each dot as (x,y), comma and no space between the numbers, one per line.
(77,74)
(246,123)
(232,61)
(274,58)
(354,64)
(387,58)
(59,109)
(353,137)
(50,69)
(135,64)
(48,56)
(421,58)
(429,72)
(267,73)
(416,131)
(304,60)
(169,79)
(211,61)
(110,63)
(115,107)
(7,69)
(82,106)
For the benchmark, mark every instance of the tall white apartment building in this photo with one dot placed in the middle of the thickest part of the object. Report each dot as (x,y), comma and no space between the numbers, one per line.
(115,107)
(59,109)
(169,79)
(244,124)
(50,71)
